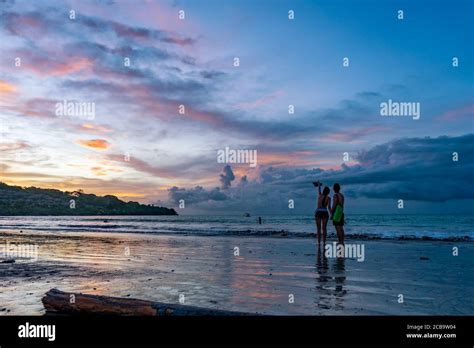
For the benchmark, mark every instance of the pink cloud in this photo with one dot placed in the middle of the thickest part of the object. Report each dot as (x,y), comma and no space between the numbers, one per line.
(142,166)
(457,113)
(263,101)
(35,107)
(47,67)
(353,134)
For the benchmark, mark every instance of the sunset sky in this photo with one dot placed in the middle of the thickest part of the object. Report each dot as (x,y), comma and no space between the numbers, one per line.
(190,62)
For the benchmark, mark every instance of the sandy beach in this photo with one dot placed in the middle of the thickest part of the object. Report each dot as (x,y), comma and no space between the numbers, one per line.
(278,276)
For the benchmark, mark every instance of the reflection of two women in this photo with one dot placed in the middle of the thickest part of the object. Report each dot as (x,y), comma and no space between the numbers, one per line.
(328,275)
(324,212)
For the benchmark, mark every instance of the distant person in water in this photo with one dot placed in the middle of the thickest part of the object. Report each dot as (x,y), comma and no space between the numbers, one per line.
(321,214)
(337,212)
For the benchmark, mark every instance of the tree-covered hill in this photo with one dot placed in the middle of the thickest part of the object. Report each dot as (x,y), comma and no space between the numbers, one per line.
(15,200)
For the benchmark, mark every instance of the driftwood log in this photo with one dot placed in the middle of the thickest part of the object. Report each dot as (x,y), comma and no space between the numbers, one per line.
(57,302)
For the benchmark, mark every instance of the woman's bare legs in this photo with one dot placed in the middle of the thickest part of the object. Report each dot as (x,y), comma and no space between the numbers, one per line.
(325,230)
(318,227)
(340,234)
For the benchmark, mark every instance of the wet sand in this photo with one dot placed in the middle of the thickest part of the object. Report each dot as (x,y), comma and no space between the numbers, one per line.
(265,276)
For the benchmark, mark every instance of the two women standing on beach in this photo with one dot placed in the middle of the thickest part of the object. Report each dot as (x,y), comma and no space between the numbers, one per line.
(324,208)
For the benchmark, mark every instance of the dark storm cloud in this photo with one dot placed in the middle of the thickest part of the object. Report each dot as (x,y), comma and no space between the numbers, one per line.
(417,169)
(227,177)
(195,195)
(410,168)
(212,74)
(414,169)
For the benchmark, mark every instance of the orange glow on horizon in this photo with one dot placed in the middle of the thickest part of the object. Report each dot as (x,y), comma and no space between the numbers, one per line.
(6,87)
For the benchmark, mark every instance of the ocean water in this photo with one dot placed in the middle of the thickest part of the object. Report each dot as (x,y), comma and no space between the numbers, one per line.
(438,227)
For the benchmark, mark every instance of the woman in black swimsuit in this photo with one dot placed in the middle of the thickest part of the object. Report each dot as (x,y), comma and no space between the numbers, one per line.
(321,214)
